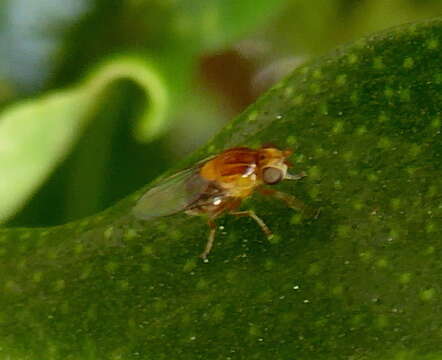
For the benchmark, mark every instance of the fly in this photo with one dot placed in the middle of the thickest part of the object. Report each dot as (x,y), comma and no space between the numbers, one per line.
(219,184)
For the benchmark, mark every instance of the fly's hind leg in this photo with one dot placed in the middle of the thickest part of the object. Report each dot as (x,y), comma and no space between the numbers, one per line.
(210,240)
(251,213)
(228,205)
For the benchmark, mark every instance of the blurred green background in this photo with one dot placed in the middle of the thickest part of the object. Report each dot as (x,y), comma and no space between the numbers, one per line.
(213,58)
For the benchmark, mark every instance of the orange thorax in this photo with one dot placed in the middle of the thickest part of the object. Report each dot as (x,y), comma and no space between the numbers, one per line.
(234,170)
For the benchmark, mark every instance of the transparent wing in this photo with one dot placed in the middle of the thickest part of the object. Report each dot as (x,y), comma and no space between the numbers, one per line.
(172,195)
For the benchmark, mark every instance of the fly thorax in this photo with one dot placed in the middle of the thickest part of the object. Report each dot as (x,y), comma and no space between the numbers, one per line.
(241,187)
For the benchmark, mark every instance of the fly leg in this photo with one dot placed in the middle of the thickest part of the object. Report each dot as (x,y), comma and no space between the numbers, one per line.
(251,213)
(292,202)
(228,205)
(210,240)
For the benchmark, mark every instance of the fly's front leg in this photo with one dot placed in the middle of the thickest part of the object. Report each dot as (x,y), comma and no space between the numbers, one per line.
(210,240)
(292,202)
(251,213)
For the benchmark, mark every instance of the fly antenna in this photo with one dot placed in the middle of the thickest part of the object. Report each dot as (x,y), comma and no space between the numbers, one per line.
(295,176)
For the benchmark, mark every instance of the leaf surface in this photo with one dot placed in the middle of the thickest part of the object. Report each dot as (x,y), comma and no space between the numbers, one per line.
(363,281)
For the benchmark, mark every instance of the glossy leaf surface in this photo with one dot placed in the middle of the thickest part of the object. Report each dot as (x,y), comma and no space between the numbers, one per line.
(361,282)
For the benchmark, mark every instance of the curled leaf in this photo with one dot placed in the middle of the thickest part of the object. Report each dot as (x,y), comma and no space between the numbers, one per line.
(35,135)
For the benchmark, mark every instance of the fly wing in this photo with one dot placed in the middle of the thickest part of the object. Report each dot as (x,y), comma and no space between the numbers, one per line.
(172,195)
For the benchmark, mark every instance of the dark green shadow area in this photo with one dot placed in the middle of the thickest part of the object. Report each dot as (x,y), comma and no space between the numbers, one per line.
(363,281)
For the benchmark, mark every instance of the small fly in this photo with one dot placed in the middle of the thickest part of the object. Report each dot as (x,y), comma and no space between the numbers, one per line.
(219,184)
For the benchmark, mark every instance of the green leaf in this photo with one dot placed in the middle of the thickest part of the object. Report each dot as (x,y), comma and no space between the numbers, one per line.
(362,281)
(178,33)
(214,24)
(37,134)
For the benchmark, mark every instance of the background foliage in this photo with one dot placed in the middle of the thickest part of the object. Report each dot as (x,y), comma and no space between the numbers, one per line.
(362,281)
(211,60)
